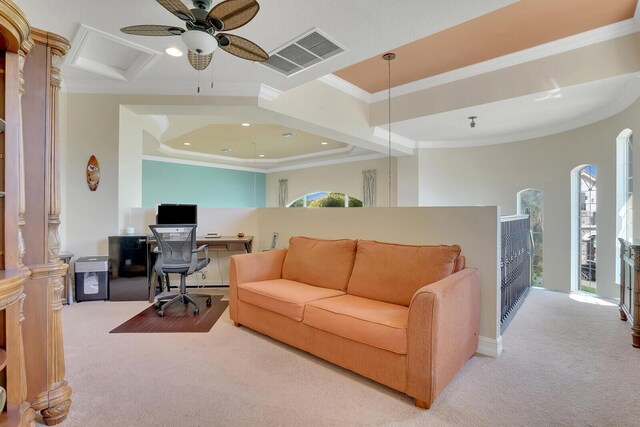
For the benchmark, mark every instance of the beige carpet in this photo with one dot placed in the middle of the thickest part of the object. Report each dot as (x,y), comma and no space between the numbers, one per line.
(566,363)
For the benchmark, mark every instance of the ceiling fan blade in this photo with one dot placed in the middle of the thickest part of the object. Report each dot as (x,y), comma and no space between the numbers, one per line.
(178,9)
(233,13)
(199,62)
(242,48)
(152,30)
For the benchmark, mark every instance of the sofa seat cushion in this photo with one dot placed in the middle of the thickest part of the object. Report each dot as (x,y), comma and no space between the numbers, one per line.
(393,272)
(283,296)
(318,262)
(376,323)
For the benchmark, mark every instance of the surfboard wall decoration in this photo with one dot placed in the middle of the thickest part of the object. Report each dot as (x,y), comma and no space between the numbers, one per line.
(93,173)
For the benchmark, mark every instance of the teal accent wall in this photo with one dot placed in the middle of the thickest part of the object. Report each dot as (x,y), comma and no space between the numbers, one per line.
(205,186)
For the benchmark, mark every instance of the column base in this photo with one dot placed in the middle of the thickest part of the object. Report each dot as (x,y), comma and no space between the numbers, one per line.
(54,405)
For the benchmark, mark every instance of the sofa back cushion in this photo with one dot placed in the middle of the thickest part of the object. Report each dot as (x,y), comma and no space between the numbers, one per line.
(393,273)
(317,262)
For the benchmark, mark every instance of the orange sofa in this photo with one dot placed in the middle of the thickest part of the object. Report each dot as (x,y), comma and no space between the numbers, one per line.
(404,316)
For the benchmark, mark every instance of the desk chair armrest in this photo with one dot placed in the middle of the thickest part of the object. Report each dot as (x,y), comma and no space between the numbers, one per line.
(205,249)
(195,259)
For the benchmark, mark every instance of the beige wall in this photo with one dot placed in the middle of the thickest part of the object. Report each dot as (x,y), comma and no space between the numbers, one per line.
(91,128)
(343,178)
(456,177)
(475,229)
(90,124)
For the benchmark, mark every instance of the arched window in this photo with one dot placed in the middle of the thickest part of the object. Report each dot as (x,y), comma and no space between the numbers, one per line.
(586,227)
(325,199)
(530,202)
(624,190)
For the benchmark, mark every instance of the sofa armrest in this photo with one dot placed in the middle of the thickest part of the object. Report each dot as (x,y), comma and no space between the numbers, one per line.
(442,333)
(252,267)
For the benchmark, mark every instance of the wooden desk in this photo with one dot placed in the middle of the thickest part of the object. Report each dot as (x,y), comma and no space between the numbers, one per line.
(223,243)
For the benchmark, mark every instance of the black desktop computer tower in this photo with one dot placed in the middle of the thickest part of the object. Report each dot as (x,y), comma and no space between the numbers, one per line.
(128,268)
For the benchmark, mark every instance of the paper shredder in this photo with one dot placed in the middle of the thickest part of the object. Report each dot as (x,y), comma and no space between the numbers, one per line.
(92,278)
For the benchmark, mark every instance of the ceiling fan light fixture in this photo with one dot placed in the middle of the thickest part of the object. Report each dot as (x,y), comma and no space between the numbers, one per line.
(174,51)
(199,42)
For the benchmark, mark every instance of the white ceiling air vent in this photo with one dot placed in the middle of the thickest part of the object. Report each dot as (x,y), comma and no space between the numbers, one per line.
(309,49)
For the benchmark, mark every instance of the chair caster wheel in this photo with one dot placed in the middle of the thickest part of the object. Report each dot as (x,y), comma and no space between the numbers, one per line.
(157,304)
(161,313)
(196,310)
(208,302)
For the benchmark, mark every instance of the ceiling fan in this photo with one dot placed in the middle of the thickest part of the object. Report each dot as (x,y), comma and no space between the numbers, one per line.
(203,35)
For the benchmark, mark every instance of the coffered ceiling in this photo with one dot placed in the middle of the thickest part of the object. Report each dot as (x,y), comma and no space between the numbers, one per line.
(526,68)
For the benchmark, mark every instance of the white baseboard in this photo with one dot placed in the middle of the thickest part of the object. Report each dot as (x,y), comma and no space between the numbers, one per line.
(489,346)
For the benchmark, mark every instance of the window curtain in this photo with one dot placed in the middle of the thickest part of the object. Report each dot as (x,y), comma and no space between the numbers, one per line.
(369,187)
(283,196)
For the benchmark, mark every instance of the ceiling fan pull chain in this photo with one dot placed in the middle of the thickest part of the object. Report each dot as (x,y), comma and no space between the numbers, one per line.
(198,81)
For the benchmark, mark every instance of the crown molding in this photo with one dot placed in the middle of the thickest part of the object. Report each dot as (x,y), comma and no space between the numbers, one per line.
(320,163)
(629,96)
(346,87)
(380,132)
(267,93)
(199,163)
(173,151)
(141,87)
(566,44)
(329,162)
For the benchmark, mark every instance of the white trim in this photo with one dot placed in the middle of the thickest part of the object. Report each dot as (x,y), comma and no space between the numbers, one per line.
(198,163)
(489,346)
(329,162)
(320,163)
(168,88)
(566,44)
(170,150)
(267,93)
(346,87)
(162,120)
(625,101)
(380,132)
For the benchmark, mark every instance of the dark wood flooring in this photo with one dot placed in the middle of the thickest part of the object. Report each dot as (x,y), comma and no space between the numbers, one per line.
(177,318)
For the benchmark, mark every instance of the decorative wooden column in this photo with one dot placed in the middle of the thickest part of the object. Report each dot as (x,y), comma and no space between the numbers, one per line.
(48,391)
(15,31)
(630,287)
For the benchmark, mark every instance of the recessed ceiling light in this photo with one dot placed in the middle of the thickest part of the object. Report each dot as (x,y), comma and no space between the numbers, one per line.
(261,155)
(324,143)
(246,124)
(226,150)
(173,51)
(187,143)
(288,135)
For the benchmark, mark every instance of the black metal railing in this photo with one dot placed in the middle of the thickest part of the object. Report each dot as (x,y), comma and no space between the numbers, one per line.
(515,265)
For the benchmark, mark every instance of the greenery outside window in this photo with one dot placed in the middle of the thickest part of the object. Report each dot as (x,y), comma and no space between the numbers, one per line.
(325,199)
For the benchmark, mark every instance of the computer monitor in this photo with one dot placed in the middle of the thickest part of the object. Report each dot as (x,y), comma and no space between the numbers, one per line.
(177,214)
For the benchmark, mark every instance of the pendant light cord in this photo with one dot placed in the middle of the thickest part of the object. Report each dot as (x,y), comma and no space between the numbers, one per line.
(389,111)
(389,57)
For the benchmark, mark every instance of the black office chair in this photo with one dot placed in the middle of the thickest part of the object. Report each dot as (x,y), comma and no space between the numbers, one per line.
(177,253)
